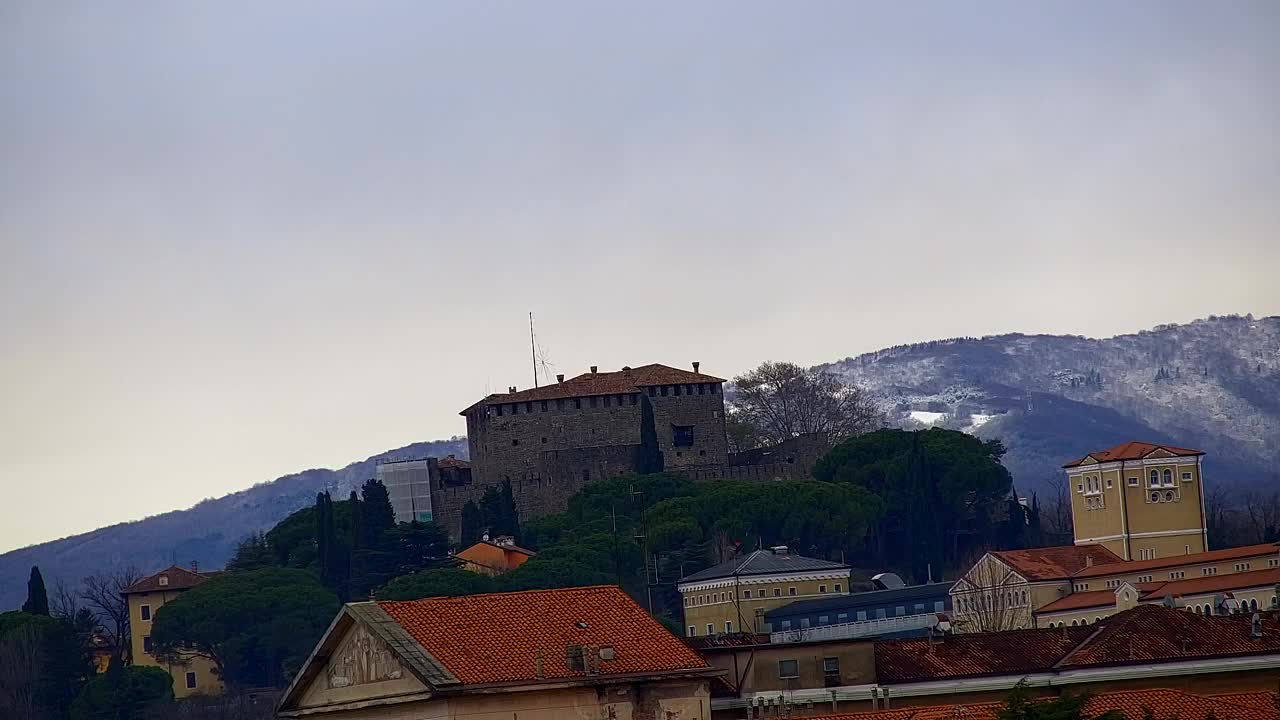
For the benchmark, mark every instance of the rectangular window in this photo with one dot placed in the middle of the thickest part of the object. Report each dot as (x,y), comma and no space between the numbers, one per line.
(595,401)
(831,666)
(881,614)
(515,409)
(899,611)
(636,398)
(939,606)
(788,669)
(862,615)
(791,591)
(1133,482)
(1144,578)
(653,392)
(837,588)
(842,617)
(746,594)
(777,592)
(146,612)
(675,390)
(1177,574)
(786,624)
(804,623)
(919,608)
(693,631)
(544,406)
(663,391)
(682,435)
(1079,487)
(560,404)
(711,629)
(528,408)
(728,626)
(147,645)
(577,403)
(607,399)
(191,681)
(822,588)
(702,388)
(499,410)
(1186,477)
(824,619)
(714,388)
(1209,571)
(1110,483)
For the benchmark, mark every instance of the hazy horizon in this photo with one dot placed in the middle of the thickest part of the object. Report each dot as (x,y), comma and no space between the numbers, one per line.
(242,240)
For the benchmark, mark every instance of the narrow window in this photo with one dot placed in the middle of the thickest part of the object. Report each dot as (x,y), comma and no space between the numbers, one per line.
(636,398)
(544,406)
(653,392)
(528,408)
(664,391)
(728,626)
(1155,478)
(837,587)
(777,592)
(675,390)
(577,403)
(595,401)
(791,591)
(822,588)
(560,404)
(711,629)
(1168,477)
(693,631)
(146,612)
(499,411)
(191,681)
(702,388)
(147,645)
(714,388)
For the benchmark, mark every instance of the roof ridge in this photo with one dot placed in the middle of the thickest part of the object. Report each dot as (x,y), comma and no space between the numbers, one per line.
(507,593)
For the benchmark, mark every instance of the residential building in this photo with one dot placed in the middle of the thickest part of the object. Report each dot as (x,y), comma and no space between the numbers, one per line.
(494,557)
(535,655)
(755,667)
(892,610)
(1140,500)
(1058,585)
(1127,704)
(192,674)
(735,595)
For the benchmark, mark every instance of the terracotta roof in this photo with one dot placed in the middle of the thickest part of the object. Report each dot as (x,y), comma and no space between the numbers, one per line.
(1150,633)
(622,382)
(452,462)
(1247,551)
(513,548)
(1131,704)
(1213,583)
(1081,600)
(1055,563)
(1014,652)
(1132,450)
(1141,635)
(495,638)
(178,578)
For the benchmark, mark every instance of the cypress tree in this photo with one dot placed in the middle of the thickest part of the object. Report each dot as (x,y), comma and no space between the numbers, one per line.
(648,455)
(378,515)
(472,524)
(509,518)
(37,598)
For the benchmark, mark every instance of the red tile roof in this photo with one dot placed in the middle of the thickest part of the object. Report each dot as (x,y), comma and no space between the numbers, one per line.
(1152,633)
(1055,563)
(1236,553)
(1214,583)
(1133,450)
(1131,704)
(495,638)
(622,382)
(1015,652)
(178,578)
(1142,635)
(452,462)
(1081,600)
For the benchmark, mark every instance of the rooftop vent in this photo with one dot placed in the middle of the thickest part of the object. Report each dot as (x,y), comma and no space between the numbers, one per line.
(779,549)
(887,581)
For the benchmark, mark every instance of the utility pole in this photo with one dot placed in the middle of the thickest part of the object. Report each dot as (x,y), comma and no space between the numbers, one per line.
(533,351)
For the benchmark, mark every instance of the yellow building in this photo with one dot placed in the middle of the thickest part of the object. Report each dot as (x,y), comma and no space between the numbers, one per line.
(194,674)
(1139,500)
(588,652)
(734,596)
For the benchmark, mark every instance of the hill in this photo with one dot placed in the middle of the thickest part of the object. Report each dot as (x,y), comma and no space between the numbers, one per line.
(1212,384)
(205,534)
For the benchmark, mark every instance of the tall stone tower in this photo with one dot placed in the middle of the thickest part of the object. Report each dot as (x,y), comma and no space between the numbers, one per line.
(1141,500)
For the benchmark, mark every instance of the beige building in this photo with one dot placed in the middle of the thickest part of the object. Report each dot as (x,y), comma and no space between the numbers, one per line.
(1140,500)
(578,653)
(734,596)
(193,674)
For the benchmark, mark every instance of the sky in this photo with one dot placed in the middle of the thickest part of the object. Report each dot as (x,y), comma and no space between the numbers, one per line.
(241,239)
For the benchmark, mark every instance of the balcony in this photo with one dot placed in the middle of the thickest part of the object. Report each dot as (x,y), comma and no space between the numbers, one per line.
(863,628)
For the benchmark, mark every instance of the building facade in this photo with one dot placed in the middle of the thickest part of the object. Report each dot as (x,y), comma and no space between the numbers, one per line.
(408,484)
(192,674)
(735,596)
(1139,500)
(888,612)
(493,557)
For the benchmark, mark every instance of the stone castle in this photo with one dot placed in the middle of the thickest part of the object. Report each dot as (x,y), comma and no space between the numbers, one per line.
(551,441)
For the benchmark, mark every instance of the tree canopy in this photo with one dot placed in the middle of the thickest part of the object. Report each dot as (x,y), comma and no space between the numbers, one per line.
(778,401)
(256,626)
(123,692)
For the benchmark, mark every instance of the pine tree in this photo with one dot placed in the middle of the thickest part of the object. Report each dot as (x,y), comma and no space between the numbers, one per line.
(37,598)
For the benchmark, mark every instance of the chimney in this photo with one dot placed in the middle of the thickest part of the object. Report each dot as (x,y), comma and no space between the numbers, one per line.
(695,365)
(1088,561)
(537,664)
(560,377)
(593,369)
(1255,627)
(195,566)
(511,389)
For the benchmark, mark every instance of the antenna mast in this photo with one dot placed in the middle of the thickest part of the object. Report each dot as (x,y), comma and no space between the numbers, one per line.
(533,352)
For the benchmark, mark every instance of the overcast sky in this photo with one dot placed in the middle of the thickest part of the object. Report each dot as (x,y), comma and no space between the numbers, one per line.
(241,239)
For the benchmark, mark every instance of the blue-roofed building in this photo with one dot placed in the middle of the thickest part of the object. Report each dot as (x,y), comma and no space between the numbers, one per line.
(893,611)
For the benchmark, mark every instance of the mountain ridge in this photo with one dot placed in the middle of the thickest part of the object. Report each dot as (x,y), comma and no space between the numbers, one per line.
(1212,384)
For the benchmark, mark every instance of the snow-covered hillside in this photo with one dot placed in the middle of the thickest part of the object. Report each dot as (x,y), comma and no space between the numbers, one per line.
(1212,384)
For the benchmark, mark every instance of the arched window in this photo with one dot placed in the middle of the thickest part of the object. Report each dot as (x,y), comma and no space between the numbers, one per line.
(1253,604)
(1168,477)
(1155,478)
(1208,609)
(1074,623)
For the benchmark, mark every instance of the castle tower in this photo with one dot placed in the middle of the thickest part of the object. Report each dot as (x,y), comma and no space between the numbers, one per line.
(1140,500)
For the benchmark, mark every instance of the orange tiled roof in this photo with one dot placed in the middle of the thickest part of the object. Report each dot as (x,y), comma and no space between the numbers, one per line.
(178,579)
(1214,583)
(1055,563)
(496,637)
(1154,633)
(622,382)
(1132,450)
(1131,704)
(1081,600)
(452,462)
(1246,551)
(1014,652)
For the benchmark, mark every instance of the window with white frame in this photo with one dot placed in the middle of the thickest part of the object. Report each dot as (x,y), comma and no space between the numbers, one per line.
(1241,567)
(1153,479)
(1144,578)
(1177,574)
(1168,477)
(1133,482)
(788,669)
(1186,477)
(1208,571)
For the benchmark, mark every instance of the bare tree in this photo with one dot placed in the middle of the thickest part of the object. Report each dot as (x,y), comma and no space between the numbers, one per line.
(104,595)
(64,600)
(783,400)
(21,665)
(1262,515)
(1056,514)
(989,598)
